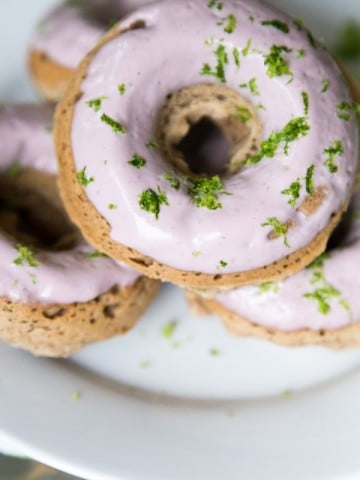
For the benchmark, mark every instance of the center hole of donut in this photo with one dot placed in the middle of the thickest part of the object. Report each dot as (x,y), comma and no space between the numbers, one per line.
(205,148)
(208,129)
(31,212)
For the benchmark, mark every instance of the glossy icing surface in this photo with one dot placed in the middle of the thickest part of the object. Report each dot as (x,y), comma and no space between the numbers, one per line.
(71,30)
(151,63)
(59,277)
(324,296)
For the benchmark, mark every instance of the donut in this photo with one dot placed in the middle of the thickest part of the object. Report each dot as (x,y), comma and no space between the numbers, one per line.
(317,306)
(57,294)
(281,119)
(65,35)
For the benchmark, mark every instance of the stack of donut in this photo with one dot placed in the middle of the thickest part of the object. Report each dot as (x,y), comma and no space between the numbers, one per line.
(211,144)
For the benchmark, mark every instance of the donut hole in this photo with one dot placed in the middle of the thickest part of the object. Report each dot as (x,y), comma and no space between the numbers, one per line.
(207,130)
(205,148)
(31,211)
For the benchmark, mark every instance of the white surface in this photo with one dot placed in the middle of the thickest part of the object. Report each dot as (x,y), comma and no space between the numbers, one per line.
(229,420)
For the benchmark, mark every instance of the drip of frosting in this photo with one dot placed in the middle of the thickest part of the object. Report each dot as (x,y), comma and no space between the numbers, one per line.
(195,46)
(68,32)
(324,296)
(55,277)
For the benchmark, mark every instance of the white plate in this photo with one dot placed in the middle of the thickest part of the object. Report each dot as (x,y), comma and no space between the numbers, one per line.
(151,408)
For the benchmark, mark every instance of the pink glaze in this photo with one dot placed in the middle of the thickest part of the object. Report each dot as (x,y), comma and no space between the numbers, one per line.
(169,54)
(68,32)
(62,277)
(283,305)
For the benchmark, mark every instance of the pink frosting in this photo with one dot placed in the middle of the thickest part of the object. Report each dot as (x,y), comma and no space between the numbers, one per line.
(68,32)
(168,54)
(284,306)
(61,277)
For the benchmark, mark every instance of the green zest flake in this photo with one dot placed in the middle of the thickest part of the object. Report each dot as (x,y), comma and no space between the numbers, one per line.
(145,364)
(280,229)
(260,106)
(344,110)
(345,304)
(231,24)
(323,294)
(169,329)
(319,262)
(204,191)
(151,201)
(326,84)
(49,128)
(243,114)
(336,149)
(246,50)
(348,44)
(276,65)
(95,254)
(112,206)
(267,287)
(32,277)
(223,264)
(311,39)
(357,109)
(214,352)
(115,126)
(300,53)
(174,181)
(122,88)
(299,23)
(283,27)
(251,19)
(305,97)
(152,145)
(76,396)
(210,42)
(13,171)
(111,23)
(41,28)
(137,161)
(219,70)
(196,253)
(309,179)
(294,192)
(236,55)
(26,256)
(83,178)
(294,130)
(96,103)
(253,87)
(215,4)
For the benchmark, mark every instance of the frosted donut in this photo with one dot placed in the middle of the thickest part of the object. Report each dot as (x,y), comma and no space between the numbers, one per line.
(65,35)
(266,86)
(53,301)
(319,305)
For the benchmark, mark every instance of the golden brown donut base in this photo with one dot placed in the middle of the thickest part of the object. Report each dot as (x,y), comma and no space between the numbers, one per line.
(60,330)
(49,78)
(347,337)
(97,230)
